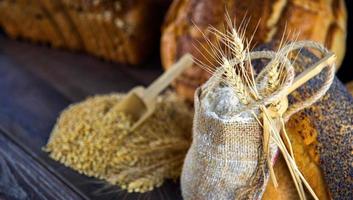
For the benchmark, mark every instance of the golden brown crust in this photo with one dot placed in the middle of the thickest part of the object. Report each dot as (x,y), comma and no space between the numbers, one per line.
(321,20)
(303,136)
(286,188)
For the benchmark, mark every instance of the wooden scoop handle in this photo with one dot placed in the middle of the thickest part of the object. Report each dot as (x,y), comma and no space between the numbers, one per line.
(164,80)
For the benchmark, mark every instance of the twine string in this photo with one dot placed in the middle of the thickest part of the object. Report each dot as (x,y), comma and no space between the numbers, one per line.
(280,111)
(329,76)
(281,92)
(276,111)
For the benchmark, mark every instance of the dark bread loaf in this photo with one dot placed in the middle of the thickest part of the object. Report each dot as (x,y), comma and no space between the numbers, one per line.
(125,31)
(323,21)
(321,136)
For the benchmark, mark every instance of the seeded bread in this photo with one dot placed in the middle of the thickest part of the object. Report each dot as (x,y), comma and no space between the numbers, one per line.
(321,136)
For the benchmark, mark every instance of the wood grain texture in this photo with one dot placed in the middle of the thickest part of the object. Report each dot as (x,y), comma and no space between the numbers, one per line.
(21,177)
(36,84)
(77,75)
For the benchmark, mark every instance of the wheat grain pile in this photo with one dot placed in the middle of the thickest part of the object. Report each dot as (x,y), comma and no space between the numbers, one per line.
(92,138)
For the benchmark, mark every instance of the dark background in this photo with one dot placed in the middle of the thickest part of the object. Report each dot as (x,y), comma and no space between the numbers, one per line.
(345,73)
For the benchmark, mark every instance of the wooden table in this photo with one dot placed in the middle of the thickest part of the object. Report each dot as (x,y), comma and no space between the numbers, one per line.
(36,83)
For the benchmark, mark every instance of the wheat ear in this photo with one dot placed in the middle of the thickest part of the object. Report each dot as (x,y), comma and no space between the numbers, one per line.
(229,50)
(235,81)
(276,74)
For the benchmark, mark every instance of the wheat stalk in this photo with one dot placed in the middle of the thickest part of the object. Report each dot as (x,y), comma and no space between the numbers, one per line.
(230,52)
(276,75)
(273,76)
(235,81)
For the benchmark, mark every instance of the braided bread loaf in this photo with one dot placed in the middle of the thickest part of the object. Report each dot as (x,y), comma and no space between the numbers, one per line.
(323,21)
(117,30)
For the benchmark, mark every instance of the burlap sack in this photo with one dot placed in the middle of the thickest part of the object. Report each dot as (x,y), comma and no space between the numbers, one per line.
(224,160)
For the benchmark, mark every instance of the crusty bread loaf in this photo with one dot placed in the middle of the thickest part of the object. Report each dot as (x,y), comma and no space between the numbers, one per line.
(125,31)
(321,136)
(304,139)
(321,20)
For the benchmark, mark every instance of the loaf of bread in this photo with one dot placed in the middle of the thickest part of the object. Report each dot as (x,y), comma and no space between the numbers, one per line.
(304,139)
(322,20)
(124,31)
(321,136)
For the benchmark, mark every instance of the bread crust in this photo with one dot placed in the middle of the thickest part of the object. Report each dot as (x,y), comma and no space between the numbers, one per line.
(323,21)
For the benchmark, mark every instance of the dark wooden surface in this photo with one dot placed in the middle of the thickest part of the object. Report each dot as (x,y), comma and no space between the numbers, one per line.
(36,83)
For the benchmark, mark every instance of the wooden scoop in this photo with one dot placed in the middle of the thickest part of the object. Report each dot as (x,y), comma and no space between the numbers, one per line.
(140,102)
